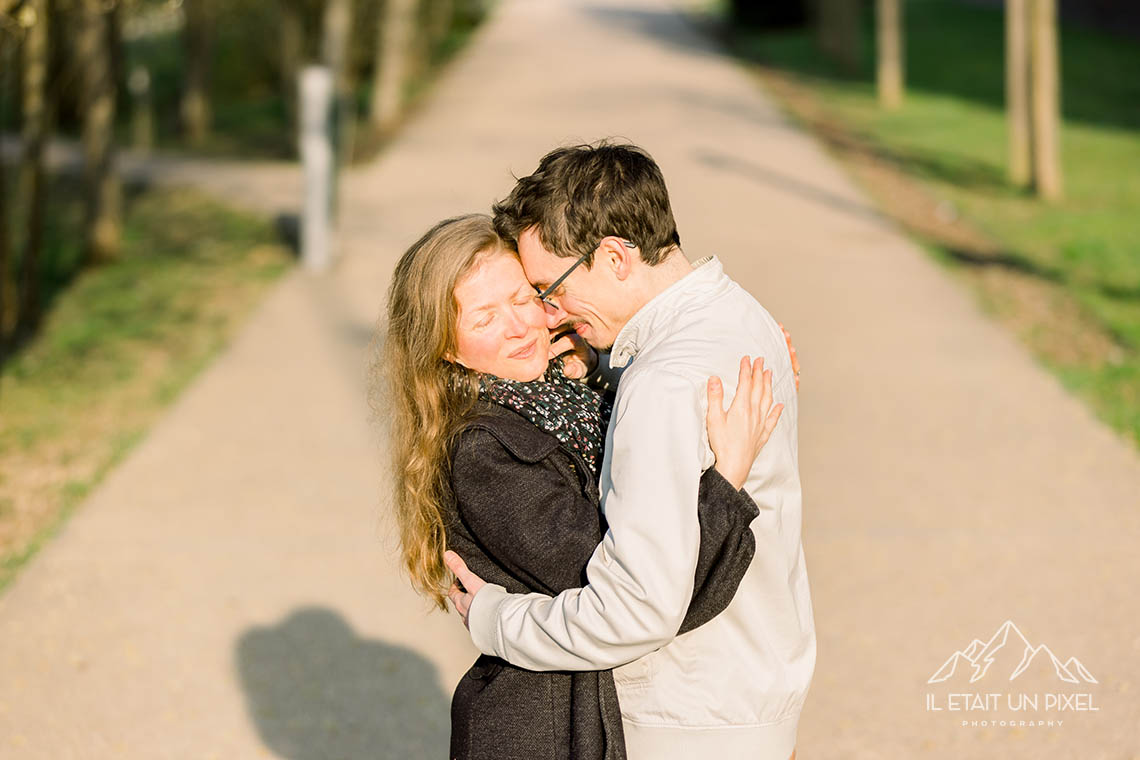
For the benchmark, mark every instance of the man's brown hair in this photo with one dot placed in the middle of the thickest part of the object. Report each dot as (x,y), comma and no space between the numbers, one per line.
(581,194)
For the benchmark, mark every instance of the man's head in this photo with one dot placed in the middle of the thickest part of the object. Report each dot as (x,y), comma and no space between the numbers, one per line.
(605,204)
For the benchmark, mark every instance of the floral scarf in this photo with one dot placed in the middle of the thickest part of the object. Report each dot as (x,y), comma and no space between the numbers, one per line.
(568,409)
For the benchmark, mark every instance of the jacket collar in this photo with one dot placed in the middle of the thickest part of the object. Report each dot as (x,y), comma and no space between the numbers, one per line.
(643,328)
(524,440)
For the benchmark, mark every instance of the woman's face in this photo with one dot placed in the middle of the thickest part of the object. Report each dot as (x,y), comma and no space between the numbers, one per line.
(502,325)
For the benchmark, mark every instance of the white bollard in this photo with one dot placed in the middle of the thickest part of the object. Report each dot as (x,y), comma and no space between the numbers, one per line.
(316,100)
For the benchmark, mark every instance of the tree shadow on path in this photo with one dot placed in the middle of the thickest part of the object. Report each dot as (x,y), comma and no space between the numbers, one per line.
(316,691)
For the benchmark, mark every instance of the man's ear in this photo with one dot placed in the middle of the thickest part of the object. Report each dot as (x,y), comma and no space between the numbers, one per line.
(619,257)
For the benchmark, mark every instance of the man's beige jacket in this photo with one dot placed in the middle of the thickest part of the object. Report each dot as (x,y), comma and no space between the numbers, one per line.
(733,688)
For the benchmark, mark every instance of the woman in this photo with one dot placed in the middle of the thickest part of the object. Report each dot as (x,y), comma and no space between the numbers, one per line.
(496,454)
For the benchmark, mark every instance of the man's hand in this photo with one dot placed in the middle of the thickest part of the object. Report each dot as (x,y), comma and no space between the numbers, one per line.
(468,580)
(578,358)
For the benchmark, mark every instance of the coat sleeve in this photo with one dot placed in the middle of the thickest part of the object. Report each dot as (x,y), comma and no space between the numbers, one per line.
(641,577)
(726,550)
(545,531)
(530,518)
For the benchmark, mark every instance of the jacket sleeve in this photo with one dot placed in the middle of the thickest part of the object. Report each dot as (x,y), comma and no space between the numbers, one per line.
(641,578)
(529,517)
(727,547)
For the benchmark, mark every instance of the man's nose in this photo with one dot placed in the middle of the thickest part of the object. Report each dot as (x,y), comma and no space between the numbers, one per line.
(555,314)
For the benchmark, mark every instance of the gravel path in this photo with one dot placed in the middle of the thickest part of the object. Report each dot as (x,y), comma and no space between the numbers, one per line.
(230,590)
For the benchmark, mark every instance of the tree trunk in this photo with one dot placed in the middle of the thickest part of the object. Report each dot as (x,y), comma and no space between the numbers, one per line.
(142,110)
(890,53)
(838,32)
(4,279)
(393,58)
(5,66)
(36,58)
(292,50)
(103,189)
(1045,99)
(197,37)
(1017,91)
(336,36)
(337,26)
(441,13)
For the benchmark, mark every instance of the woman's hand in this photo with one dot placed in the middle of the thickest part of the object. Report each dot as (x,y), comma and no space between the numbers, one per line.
(736,437)
(578,358)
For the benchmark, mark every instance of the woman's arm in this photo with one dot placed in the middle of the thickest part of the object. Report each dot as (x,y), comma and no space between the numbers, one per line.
(531,517)
(727,547)
(538,525)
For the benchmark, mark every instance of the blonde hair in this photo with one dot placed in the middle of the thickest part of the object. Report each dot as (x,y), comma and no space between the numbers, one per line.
(427,397)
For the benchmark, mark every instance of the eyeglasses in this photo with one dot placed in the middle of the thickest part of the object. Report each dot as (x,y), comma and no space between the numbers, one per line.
(544,296)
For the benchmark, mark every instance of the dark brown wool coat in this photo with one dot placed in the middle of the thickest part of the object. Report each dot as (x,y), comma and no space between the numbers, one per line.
(526,516)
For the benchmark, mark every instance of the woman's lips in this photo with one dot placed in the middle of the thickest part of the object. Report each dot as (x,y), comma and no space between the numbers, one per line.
(526,352)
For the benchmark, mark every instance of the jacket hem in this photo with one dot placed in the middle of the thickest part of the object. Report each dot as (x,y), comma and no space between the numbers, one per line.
(770,741)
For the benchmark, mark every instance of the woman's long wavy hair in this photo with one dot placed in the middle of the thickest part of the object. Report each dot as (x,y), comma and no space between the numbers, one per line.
(427,397)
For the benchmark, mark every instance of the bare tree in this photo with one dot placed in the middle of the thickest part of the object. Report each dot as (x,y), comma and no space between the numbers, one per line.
(336,28)
(103,189)
(336,36)
(889,26)
(3,246)
(292,44)
(393,60)
(35,57)
(1017,91)
(197,37)
(5,66)
(1045,99)
(837,30)
(441,14)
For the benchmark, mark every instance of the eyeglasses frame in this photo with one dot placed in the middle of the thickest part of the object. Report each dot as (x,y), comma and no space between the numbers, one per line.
(545,295)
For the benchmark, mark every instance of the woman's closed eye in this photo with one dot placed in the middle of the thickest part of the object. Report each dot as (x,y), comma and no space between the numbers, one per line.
(485,321)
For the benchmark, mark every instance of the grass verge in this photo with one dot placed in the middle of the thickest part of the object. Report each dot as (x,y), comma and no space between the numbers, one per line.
(117,345)
(1066,276)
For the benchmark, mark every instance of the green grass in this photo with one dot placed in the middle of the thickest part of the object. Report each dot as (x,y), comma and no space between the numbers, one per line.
(118,343)
(950,135)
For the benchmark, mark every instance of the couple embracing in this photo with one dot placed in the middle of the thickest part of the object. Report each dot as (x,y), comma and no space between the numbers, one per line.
(625,552)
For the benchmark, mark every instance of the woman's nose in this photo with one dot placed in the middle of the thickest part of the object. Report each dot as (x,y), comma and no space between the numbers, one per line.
(516,326)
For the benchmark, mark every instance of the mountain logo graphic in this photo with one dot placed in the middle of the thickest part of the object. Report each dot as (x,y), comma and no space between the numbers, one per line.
(1008,651)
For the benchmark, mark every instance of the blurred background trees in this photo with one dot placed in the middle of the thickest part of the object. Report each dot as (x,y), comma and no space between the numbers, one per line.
(115,293)
(1003,135)
(216,77)
(1032,78)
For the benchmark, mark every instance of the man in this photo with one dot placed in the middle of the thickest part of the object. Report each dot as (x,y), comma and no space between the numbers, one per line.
(594,222)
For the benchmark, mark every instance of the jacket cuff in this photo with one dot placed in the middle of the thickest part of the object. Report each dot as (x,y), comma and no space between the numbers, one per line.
(483,618)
